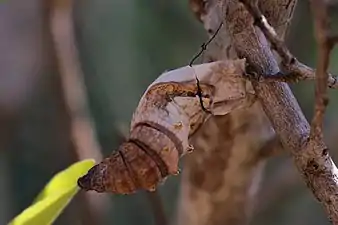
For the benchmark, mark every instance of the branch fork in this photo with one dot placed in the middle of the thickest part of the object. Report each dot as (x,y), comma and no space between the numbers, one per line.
(306,143)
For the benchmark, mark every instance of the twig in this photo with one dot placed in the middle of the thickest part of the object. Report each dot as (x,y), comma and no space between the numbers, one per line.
(269,32)
(294,70)
(205,45)
(325,45)
(203,48)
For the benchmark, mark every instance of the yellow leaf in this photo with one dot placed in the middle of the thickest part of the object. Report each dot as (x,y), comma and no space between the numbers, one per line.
(54,197)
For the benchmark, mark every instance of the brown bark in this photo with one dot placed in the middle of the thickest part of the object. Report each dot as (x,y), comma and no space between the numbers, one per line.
(221,178)
(308,149)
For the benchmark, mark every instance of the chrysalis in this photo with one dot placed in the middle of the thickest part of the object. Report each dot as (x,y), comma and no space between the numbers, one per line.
(168,113)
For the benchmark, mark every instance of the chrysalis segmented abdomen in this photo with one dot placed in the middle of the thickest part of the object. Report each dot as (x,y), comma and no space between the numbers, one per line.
(162,142)
(124,172)
(158,138)
(167,114)
(142,162)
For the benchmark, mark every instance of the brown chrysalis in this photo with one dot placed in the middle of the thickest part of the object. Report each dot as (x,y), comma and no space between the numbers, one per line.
(168,113)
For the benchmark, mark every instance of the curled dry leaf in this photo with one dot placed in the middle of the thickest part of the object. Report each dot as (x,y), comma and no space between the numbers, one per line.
(168,113)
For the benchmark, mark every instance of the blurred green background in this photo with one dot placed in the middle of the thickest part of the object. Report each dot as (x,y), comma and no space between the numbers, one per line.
(123,46)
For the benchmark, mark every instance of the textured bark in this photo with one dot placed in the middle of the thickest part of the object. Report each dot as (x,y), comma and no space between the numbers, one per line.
(311,156)
(221,178)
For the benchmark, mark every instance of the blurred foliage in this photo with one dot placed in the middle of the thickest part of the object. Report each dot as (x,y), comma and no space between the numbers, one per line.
(124,45)
(134,42)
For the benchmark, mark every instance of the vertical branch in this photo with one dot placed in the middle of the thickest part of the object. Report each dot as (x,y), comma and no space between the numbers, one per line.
(325,45)
(306,143)
(82,131)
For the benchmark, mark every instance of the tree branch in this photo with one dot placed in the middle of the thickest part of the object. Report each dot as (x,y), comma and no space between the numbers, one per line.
(295,71)
(325,44)
(310,154)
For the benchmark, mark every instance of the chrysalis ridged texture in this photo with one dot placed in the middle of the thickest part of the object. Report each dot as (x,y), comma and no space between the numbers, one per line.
(168,113)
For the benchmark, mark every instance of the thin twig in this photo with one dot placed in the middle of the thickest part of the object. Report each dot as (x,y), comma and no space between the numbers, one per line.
(294,70)
(203,48)
(205,45)
(325,45)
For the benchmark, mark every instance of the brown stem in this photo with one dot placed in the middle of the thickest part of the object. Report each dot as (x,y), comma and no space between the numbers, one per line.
(294,70)
(325,45)
(309,151)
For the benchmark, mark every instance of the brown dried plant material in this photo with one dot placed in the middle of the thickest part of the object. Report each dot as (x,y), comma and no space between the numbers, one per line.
(168,114)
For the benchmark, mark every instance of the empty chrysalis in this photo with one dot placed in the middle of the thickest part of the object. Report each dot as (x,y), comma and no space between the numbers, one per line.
(168,114)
